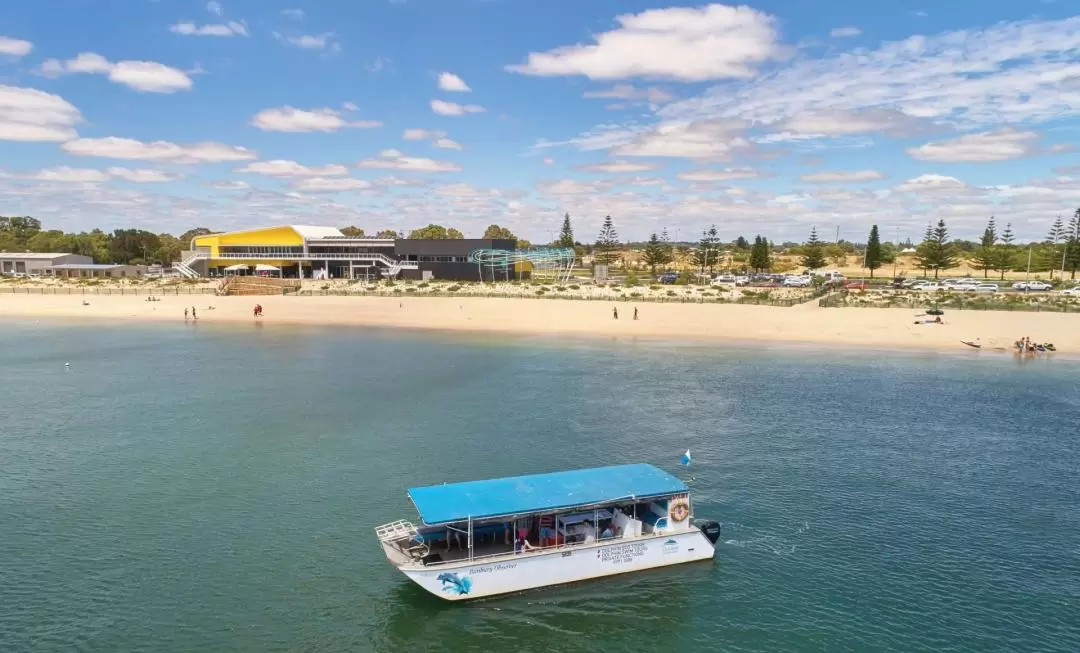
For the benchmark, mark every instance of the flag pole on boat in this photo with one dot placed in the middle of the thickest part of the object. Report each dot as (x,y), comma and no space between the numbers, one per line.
(686,463)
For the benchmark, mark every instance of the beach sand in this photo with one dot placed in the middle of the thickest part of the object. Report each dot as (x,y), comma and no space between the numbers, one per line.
(890,328)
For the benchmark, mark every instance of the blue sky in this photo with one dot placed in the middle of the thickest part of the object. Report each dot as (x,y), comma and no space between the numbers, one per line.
(765,118)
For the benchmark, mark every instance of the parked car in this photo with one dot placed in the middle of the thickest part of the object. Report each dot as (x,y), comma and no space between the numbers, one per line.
(924,286)
(1071,292)
(742,281)
(797,282)
(1039,286)
(724,278)
(669,277)
(856,285)
(985,287)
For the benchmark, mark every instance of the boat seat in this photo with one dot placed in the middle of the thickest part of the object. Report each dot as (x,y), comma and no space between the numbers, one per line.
(655,520)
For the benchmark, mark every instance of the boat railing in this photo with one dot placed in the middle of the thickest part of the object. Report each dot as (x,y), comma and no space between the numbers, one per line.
(540,550)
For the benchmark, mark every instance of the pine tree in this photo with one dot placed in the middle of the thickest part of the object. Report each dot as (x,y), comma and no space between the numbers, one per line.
(936,252)
(740,243)
(708,249)
(657,253)
(1003,253)
(874,256)
(985,257)
(1057,235)
(760,259)
(813,252)
(566,236)
(1072,245)
(607,245)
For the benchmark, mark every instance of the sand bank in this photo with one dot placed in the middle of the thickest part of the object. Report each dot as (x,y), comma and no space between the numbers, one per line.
(883,328)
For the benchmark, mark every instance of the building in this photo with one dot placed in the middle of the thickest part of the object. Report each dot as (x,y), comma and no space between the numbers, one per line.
(96,271)
(310,252)
(35,263)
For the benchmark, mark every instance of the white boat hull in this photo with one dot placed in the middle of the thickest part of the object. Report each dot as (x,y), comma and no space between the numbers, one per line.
(507,574)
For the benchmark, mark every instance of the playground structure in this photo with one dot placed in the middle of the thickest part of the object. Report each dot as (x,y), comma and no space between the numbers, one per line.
(552,263)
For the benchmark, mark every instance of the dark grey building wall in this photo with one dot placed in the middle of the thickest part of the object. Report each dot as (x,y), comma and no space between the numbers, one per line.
(457,270)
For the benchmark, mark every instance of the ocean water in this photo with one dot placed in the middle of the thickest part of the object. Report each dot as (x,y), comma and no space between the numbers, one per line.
(183,488)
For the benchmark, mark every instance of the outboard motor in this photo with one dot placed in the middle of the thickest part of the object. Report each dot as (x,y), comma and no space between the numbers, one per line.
(711,529)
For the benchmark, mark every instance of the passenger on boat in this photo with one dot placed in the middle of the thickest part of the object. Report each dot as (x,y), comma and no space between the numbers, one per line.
(521,545)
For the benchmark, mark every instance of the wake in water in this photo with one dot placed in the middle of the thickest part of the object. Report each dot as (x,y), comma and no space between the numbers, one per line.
(780,545)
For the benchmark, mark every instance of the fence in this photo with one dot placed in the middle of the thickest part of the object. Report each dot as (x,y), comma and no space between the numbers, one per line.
(106,291)
(955,303)
(756,301)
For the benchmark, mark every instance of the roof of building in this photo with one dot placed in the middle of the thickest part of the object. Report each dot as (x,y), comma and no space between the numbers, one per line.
(33,255)
(93,266)
(456,502)
(310,231)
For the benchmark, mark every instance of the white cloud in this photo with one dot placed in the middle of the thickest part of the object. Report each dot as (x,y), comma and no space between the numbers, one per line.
(284,168)
(349,106)
(294,14)
(397,160)
(330,185)
(451,109)
(323,41)
(27,114)
(64,174)
(15,47)
(1004,74)
(415,134)
(548,161)
(189,28)
(230,185)
(930,184)
(1000,145)
(688,44)
(619,166)
(147,76)
(215,8)
(842,176)
(288,119)
(572,187)
(453,83)
(651,94)
(717,140)
(844,32)
(726,174)
(846,123)
(127,148)
(142,176)
(446,144)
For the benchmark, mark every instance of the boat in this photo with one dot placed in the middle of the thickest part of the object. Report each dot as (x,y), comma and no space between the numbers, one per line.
(505,535)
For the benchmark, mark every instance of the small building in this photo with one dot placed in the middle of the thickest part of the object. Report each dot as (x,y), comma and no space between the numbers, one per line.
(96,271)
(35,263)
(449,259)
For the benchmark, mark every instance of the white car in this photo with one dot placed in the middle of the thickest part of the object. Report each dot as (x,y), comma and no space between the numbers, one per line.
(925,286)
(1071,292)
(742,281)
(724,278)
(985,287)
(797,282)
(1038,286)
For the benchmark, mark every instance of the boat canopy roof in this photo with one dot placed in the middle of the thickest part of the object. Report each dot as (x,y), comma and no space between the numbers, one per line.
(518,495)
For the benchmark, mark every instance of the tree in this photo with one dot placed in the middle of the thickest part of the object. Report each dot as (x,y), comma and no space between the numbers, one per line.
(657,253)
(1057,234)
(566,235)
(935,252)
(188,235)
(94,244)
(607,244)
(985,257)
(388,233)
(1072,245)
(740,243)
(496,232)
(873,257)
(760,259)
(352,232)
(1004,253)
(133,246)
(708,249)
(435,232)
(813,253)
(20,228)
(168,250)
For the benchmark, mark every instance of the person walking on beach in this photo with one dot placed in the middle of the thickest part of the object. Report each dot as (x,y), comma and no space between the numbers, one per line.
(616,312)
(193,315)
(185,315)
(635,312)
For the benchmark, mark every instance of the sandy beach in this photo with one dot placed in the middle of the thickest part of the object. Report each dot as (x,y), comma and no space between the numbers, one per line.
(880,328)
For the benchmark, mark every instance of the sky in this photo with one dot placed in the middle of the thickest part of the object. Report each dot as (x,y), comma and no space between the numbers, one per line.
(767,118)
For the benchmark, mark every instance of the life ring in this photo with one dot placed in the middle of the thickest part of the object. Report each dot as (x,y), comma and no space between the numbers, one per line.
(679,511)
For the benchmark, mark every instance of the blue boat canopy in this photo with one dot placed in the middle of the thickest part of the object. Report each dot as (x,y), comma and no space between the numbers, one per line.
(518,495)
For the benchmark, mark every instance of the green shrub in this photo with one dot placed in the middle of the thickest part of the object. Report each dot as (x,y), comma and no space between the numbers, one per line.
(453,288)
(423,284)
(575,287)
(410,290)
(671,293)
(635,294)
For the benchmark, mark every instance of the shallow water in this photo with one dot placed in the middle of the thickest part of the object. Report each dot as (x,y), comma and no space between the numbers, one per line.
(186,488)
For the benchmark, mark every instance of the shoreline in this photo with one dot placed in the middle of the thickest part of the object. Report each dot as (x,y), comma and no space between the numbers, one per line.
(878,328)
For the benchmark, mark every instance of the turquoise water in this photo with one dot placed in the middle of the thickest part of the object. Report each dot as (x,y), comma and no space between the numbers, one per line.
(215,489)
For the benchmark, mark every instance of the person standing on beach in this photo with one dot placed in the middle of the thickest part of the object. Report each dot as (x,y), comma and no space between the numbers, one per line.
(193,315)
(616,312)
(635,312)
(185,315)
